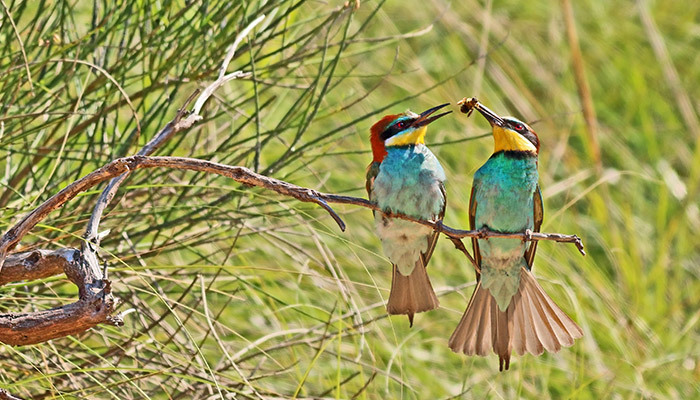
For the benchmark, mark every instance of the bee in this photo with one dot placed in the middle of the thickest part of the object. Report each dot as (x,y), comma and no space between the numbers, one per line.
(466,105)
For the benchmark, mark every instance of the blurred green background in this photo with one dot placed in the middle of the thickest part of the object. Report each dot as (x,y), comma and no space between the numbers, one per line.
(296,306)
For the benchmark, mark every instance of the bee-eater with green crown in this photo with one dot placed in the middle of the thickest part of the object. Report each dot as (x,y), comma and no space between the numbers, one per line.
(509,310)
(405,177)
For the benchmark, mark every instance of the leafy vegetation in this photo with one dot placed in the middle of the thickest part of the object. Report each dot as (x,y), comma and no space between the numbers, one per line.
(233,291)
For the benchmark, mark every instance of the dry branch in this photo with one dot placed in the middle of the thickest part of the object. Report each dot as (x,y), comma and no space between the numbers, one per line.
(248,177)
(96,304)
(36,264)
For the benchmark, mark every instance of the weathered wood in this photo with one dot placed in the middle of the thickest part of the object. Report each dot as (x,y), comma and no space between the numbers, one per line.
(94,306)
(36,264)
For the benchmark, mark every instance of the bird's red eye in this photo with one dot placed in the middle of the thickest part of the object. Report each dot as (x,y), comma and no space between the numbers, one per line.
(401,124)
(519,127)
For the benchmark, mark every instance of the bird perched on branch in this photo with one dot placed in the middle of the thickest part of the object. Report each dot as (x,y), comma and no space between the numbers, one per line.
(509,310)
(405,177)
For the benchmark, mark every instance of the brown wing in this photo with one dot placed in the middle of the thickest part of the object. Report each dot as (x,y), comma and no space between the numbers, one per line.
(372,172)
(472,226)
(432,240)
(538,217)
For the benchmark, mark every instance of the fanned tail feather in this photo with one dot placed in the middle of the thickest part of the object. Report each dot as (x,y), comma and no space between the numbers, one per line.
(544,325)
(411,294)
(484,327)
(532,323)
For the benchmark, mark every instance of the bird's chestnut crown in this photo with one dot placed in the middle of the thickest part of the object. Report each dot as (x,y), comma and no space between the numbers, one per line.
(403,129)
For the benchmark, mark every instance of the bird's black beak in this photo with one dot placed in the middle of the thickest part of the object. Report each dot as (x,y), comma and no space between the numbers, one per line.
(425,117)
(490,116)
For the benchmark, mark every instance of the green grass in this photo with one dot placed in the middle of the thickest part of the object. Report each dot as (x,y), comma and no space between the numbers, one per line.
(295,305)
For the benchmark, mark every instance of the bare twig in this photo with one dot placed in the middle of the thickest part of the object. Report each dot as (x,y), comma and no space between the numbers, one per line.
(91,236)
(96,304)
(223,77)
(248,177)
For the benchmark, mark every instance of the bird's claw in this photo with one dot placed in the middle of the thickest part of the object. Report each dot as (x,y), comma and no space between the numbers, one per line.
(439,226)
(528,235)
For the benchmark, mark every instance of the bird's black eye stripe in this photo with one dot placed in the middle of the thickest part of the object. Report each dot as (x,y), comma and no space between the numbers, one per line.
(523,131)
(517,126)
(394,129)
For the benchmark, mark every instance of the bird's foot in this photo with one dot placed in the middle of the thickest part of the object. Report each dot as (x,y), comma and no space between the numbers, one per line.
(439,226)
(483,232)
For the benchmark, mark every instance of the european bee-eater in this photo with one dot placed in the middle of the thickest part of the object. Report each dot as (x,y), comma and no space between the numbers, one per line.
(405,177)
(509,310)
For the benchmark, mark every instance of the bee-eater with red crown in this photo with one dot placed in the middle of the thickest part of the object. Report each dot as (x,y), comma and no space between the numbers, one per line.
(405,177)
(509,310)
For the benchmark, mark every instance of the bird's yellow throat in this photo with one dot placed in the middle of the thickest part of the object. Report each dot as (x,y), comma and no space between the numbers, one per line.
(508,140)
(414,137)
